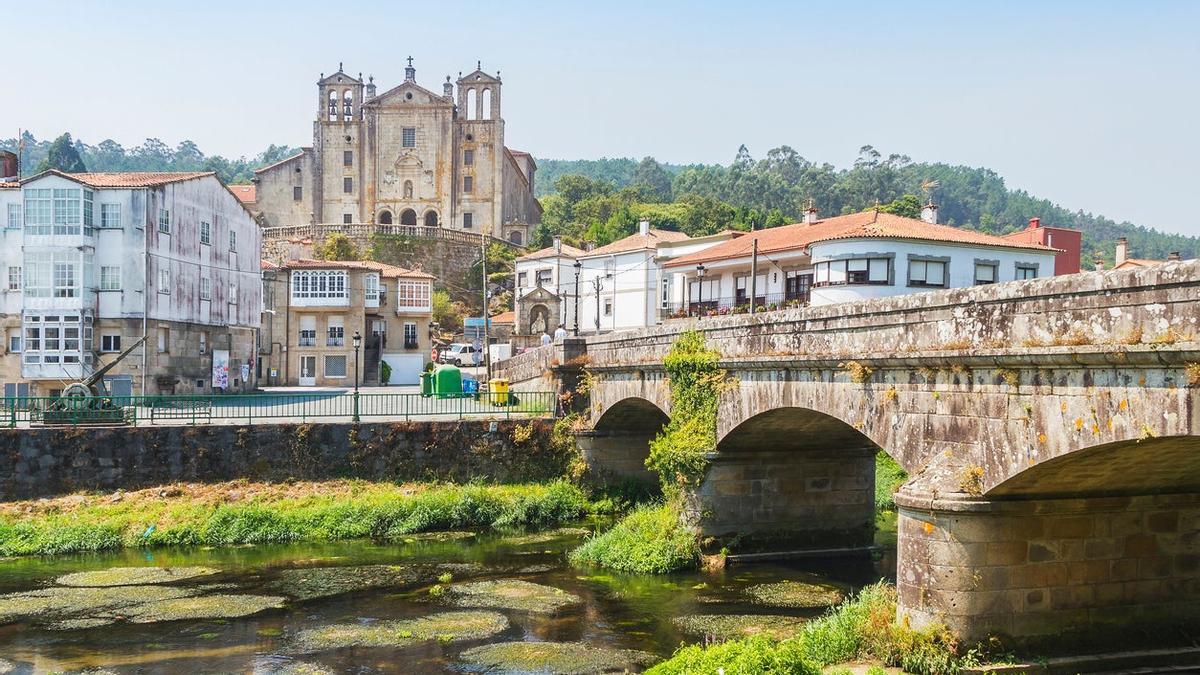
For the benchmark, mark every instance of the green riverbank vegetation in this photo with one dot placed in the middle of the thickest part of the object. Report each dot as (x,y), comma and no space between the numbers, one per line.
(862,629)
(244,512)
(647,541)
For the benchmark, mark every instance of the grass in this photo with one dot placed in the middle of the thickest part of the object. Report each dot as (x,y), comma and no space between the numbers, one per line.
(249,513)
(649,540)
(860,629)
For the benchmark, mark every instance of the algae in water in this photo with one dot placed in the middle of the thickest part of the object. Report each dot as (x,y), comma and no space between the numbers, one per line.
(561,658)
(510,594)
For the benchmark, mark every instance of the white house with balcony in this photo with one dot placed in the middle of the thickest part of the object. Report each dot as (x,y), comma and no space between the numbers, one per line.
(851,257)
(320,305)
(620,286)
(94,261)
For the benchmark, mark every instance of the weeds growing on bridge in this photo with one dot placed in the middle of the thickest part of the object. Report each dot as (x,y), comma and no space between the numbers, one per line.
(679,453)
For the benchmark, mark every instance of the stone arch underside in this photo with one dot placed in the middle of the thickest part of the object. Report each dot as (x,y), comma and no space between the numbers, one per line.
(789,477)
(619,441)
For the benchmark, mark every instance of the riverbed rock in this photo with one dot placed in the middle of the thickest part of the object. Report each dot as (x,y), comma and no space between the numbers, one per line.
(513,594)
(560,658)
(319,582)
(445,627)
(733,626)
(799,594)
(133,576)
(63,603)
(219,606)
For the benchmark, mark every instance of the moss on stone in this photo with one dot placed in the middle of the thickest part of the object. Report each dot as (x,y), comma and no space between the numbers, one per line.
(796,594)
(60,604)
(510,594)
(319,582)
(133,576)
(446,627)
(544,537)
(562,658)
(220,606)
(731,626)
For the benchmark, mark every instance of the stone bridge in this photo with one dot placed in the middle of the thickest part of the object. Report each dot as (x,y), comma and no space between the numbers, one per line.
(1049,427)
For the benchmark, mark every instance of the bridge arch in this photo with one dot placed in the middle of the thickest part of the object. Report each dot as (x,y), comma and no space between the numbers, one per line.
(619,442)
(790,476)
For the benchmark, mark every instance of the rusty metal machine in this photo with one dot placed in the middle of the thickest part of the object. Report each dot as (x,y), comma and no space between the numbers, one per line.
(87,401)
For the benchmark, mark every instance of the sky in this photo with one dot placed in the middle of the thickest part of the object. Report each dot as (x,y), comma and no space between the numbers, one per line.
(1093,105)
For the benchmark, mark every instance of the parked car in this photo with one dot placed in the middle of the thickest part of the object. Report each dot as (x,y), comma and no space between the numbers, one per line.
(460,354)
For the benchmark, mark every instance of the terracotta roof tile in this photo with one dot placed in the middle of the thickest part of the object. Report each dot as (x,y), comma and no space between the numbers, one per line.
(247,194)
(505,317)
(864,225)
(1138,262)
(549,252)
(126,179)
(285,160)
(9,186)
(267,265)
(637,242)
(385,269)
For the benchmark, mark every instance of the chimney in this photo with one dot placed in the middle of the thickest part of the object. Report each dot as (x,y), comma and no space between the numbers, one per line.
(643,227)
(557,244)
(1099,262)
(448,89)
(1173,256)
(1122,250)
(929,213)
(589,246)
(8,166)
(1035,223)
(810,213)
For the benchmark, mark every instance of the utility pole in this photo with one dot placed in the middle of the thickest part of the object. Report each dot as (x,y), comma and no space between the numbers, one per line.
(578,267)
(753,274)
(597,282)
(487,352)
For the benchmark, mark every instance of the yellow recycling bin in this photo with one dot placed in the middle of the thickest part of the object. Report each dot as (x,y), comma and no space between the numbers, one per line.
(498,390)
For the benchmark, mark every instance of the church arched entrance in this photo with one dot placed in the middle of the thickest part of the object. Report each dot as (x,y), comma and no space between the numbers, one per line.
(408,217)
(515,237)
(385,218)
(431,219)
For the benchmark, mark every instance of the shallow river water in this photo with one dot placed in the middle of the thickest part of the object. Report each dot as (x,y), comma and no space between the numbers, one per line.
(599,609)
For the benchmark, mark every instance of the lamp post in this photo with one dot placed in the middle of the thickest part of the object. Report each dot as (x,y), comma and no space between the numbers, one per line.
(578,267)
(357,345)
(700,270)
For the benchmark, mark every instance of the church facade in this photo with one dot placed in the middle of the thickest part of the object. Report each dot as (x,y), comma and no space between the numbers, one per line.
(407,156)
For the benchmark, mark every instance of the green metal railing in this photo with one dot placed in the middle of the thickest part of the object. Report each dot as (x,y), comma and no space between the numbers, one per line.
(340,406)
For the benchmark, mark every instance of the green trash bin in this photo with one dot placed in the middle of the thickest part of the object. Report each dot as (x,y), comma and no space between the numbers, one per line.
(427,383)
(447,382)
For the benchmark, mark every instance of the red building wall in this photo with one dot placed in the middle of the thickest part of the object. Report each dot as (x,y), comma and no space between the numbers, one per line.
(1068,241)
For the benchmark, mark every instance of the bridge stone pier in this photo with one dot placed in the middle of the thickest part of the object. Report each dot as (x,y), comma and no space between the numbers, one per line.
(1050,429)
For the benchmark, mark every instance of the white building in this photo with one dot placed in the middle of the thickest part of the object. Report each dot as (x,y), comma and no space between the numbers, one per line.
(852,257)
(96,260)
(620,286)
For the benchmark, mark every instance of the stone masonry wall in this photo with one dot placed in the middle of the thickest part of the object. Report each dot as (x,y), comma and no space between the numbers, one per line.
(1050,567)
(47,461)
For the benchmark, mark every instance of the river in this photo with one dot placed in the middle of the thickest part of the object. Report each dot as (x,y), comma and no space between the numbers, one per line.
(313,587)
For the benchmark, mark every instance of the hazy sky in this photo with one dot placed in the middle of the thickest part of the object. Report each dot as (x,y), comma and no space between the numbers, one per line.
(1091,104)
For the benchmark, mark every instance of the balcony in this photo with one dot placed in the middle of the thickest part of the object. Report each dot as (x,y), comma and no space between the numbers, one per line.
(738,304)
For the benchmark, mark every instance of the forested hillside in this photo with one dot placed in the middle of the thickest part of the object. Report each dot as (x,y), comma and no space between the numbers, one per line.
(152,155)
(602,199)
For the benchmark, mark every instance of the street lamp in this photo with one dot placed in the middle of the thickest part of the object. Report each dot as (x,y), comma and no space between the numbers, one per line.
(578,267)
(700,270)
(357,345)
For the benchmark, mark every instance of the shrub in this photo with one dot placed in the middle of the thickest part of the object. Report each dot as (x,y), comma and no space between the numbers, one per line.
(678,453)
(649,540)
(889,476)
(739,657)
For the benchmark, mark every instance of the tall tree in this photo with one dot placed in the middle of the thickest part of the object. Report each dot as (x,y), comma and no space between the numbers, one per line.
(653,177)
(63,156)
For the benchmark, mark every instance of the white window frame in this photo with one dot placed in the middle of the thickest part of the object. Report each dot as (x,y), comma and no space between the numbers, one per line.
(205,233)
(39,211)
(110,343)
(110,216)
(164,221)
(110,278)
(233,294)
(410,327)
(233,240)
(205,288)
(164,280)
(919,273)
(319,284)
(14,277)
(335,331)
(413,295)
(333,358)
(14,216)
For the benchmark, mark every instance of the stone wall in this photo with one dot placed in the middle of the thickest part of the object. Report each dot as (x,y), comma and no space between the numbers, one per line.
(43,462)
(1050,567)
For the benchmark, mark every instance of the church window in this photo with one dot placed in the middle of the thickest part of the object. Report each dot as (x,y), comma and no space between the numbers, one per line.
(408,217)
(333,106)
(297,193)
(468,184)
(468,157)
(431,219)
(467,220)
(409,137)
(485,112)
(408,189)
(348,106)
(472,104)
(347,184)
(347,158)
